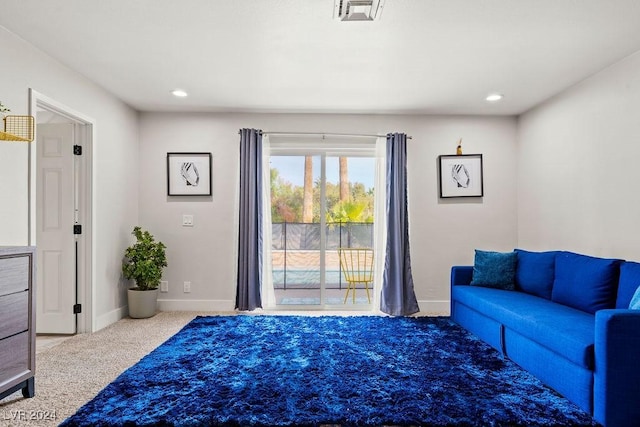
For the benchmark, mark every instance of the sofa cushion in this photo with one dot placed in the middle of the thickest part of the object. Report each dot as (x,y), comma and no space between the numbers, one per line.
(635,300)
(494,269)
(535,272)
(584,282)
(564,330)
(628,283)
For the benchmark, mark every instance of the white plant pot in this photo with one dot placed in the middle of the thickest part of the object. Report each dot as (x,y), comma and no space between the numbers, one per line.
(142,304)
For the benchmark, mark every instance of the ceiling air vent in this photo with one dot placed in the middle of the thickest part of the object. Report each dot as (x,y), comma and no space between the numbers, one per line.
(357,10)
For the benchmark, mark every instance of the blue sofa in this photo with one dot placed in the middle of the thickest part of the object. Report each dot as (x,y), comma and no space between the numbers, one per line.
(564,318)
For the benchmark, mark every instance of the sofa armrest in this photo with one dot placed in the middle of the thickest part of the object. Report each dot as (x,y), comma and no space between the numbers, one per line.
(461,275)
(617,374)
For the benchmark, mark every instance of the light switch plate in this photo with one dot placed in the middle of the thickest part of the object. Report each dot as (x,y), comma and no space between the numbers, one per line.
(187,220)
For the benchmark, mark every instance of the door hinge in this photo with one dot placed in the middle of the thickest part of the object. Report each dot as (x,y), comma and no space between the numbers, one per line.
(77,229)
(77,308)
(77,150)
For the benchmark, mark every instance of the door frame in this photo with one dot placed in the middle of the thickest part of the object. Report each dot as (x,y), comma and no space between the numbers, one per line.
(332,147)
(84,135)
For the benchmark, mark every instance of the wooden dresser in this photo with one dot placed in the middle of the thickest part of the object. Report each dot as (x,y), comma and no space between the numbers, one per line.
(17,320)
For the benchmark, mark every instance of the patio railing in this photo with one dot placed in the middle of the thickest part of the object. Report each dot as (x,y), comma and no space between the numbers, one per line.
(296,252)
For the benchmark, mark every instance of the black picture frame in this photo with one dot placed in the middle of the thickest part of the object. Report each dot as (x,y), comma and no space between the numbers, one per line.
(189,174)
(460,175)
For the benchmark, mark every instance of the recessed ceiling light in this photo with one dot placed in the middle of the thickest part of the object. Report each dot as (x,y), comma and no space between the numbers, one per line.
(494,97)
(179,93)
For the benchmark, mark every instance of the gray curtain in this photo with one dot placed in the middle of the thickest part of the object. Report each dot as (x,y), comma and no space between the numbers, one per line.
(250,233)
(398,297)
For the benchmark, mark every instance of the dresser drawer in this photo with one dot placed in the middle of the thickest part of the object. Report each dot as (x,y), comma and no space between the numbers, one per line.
(14,313)
(14,274)
(14,356)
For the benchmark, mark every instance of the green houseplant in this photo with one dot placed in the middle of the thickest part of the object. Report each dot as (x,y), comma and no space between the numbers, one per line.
(143,262)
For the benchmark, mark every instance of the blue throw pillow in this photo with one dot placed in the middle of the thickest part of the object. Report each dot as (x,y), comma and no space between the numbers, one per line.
(635,300)
(628,283)
(535,272)
(494,270)
(586,283)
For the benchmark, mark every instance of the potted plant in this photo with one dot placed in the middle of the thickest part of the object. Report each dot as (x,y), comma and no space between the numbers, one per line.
(143,262)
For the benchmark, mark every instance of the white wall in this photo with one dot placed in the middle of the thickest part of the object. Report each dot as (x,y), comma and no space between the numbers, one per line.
(115,162)
(443,233)
(578,169)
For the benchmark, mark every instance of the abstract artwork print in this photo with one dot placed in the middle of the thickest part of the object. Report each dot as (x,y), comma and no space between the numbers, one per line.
(189,174)
(460,175)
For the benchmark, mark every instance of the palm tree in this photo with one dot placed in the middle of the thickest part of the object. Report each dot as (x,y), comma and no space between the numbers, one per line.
(344,180)
(348,213)
(307,199)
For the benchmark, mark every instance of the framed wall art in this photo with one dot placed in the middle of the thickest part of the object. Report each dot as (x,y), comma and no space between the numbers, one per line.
(460,175)
(189,174)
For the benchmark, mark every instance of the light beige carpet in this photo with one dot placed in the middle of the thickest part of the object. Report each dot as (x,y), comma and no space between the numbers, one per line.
(74,371)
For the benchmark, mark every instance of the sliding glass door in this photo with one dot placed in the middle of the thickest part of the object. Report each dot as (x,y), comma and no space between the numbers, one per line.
(322,203)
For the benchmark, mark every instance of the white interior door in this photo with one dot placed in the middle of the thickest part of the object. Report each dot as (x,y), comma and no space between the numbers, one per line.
(56,292)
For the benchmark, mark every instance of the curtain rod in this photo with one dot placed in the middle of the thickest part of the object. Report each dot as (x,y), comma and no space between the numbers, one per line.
(323,134)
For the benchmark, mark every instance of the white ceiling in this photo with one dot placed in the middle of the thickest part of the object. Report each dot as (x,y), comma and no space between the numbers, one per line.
(422,56)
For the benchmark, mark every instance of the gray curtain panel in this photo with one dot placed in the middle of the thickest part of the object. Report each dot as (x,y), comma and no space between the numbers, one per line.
(397,297)
(250,233)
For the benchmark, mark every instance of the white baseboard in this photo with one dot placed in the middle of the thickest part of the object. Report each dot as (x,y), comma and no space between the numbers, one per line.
(427,308)
(434,308)
(195,305)
(107,319)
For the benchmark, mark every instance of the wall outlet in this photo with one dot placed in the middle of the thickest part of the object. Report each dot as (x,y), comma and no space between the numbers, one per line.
(164,286)
(187,287)
(187,220)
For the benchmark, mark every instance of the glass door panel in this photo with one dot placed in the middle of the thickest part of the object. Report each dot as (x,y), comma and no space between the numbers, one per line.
(349,213)
(295,214)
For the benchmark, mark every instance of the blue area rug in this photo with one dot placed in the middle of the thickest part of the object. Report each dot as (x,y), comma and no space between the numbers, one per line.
(290,370)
